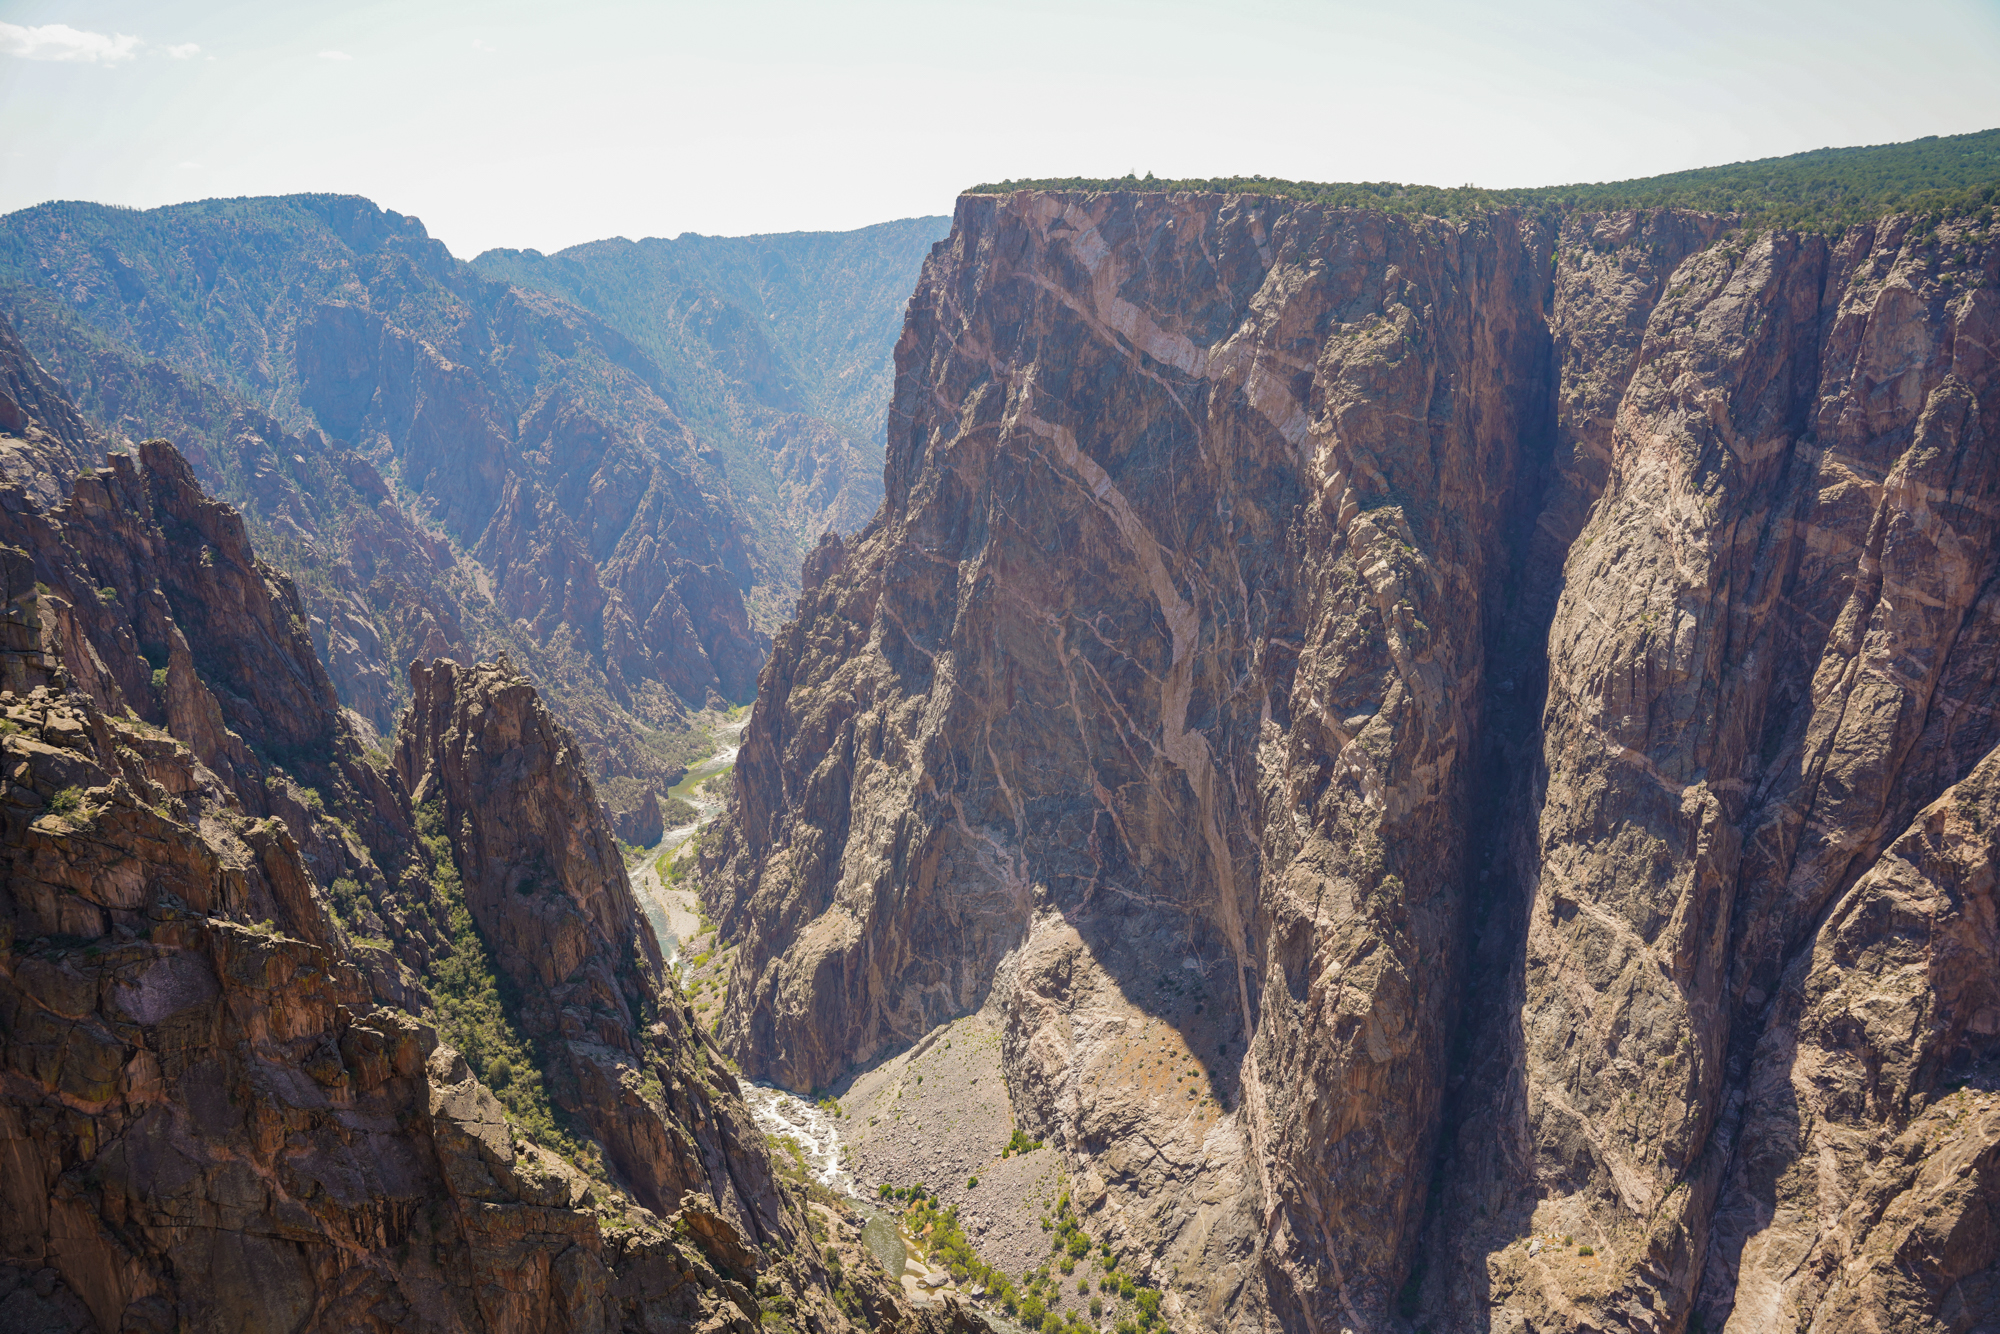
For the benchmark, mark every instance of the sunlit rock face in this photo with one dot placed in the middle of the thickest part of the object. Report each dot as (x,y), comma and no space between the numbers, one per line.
(1386,709)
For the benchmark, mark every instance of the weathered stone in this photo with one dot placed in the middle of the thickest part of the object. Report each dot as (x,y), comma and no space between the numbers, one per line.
(210,1116)
(1299,644)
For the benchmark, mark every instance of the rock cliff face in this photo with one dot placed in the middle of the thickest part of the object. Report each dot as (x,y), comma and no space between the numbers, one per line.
(227,942)
(546,885)
(1796,536)
(1504,701)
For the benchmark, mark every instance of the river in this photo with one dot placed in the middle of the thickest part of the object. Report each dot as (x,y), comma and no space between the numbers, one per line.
(671,909)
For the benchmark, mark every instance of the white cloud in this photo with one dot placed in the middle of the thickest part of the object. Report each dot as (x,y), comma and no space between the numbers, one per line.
(183,50)
(479,45)
(59,41)
(335,55)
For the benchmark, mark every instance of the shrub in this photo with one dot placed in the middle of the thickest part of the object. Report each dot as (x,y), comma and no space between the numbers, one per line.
(1818,190)
(67,802)
(1586,1249)
(475,1015)
(791,1164)
(1020,1143)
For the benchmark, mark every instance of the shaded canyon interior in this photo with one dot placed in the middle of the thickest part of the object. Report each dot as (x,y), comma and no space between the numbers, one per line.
(233,937)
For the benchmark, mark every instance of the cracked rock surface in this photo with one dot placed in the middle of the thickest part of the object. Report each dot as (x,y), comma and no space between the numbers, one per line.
(1445,744)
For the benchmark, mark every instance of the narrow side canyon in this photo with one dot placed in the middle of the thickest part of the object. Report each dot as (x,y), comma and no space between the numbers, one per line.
(1452,755)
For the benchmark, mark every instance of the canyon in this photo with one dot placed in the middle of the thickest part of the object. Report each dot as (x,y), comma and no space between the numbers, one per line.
(297,1036)
(1454,754)
(1373,760)
(464,459)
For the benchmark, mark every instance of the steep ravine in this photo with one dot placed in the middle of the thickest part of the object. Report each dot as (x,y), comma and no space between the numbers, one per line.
(1503,700)
(293,1040)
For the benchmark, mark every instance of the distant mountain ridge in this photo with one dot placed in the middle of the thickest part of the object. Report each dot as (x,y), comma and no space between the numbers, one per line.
(779,346)
(833,300)
(448,463)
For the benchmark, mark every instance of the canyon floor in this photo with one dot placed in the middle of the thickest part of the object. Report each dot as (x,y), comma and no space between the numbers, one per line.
(672,908)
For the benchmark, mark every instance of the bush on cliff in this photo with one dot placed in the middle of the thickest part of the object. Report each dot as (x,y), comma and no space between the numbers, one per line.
(1821,190)
(473,1010)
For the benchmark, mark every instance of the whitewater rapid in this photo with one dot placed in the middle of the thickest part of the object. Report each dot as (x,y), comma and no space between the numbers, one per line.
(817,1134)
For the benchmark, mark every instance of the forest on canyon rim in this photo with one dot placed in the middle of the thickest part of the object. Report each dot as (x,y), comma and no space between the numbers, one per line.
(1323,757)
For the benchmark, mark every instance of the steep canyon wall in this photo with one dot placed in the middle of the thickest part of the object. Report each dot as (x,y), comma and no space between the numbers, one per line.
(230,940)
(1435,738)
(605,464)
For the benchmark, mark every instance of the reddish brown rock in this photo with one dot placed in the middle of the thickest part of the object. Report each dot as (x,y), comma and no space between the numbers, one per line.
(546,884)
(222,1104)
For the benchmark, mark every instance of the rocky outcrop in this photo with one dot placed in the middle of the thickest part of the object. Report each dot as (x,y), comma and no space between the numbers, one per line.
(545,883)
(1440,679)
(1860,1193)
(227,942)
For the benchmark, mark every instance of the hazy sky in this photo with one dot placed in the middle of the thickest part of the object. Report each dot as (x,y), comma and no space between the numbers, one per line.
(545,125)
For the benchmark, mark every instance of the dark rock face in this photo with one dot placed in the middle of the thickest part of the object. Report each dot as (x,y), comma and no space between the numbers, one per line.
(1797,530)
(1449,678)
(223,1101)
(1139,705)
(546,885)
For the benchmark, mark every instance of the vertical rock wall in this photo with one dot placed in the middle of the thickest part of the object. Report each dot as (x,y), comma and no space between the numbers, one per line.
(1440,681)
(1149,702)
